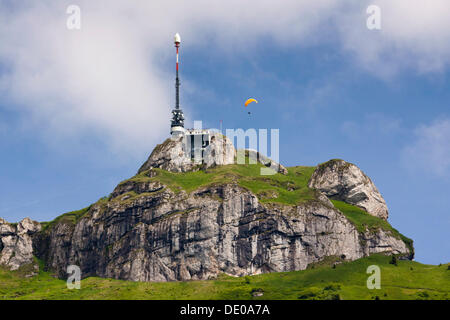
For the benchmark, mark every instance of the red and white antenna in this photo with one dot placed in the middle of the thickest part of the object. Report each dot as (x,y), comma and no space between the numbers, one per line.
(177,81)
(177,123)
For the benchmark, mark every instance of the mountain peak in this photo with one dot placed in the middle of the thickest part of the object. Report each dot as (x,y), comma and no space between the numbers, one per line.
(180,154)
(184,217)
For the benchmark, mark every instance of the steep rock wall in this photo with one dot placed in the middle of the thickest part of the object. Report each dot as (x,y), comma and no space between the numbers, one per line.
(159,235)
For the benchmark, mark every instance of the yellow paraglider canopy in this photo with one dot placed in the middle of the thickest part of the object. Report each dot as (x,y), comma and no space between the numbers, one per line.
(250,101)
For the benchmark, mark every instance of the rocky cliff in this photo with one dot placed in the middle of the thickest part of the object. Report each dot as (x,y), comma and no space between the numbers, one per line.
(16,247)
(176,221)
(344,181)
(172,155)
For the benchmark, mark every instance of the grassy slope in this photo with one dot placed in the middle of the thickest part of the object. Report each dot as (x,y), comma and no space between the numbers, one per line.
(289,189)
(407,280)
(69,217)
(364,221)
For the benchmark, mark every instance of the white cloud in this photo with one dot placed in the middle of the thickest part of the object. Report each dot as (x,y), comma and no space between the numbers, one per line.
(431,149)
(108,78)
(414,35)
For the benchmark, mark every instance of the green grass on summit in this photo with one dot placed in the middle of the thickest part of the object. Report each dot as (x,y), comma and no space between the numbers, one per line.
(288,189)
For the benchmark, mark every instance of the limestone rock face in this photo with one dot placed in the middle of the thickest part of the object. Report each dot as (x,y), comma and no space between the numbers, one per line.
(344,181)
(16,245)
(170,156)
(173,156)
(220,151)
(162,236)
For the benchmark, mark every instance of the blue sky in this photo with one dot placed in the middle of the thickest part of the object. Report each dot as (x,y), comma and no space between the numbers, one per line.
(81,110)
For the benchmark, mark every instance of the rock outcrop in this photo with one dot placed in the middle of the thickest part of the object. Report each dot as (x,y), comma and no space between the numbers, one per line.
(16,246)
(344,181)
(172,155)
(169,155)
(219,152)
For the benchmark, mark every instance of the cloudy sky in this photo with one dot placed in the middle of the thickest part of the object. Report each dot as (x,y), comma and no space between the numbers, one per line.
(80,110)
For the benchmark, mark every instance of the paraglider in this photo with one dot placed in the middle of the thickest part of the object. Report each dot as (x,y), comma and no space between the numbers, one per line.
(250,101)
